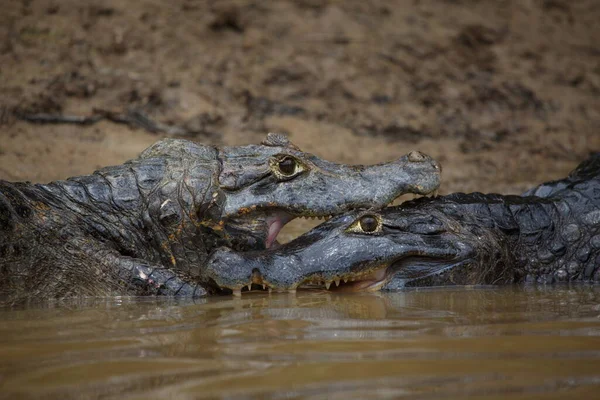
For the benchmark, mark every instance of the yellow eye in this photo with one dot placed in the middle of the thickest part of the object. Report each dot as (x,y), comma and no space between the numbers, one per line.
(369,224)
(286,167)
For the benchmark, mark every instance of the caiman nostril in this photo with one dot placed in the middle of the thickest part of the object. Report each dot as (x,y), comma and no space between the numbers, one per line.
(416,156)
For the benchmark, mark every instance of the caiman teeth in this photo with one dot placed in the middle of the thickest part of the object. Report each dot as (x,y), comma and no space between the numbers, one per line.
(337,282)
(316,216)
(237,292)
(327,284)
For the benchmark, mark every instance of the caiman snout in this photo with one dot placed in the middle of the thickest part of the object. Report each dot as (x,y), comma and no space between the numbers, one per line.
(416,156)
(232,270)
(416,172)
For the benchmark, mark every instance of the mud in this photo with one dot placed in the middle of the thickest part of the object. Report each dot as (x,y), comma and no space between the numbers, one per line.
(505,94)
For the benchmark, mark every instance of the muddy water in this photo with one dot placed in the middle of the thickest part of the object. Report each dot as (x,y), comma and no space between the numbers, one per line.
(485,343)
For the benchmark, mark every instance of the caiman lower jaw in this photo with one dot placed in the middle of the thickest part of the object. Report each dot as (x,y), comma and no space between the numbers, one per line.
(370,280)
(374,278)
(366,281)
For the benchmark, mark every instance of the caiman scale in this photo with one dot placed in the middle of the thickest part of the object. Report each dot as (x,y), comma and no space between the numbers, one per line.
(549,234)
(149,226)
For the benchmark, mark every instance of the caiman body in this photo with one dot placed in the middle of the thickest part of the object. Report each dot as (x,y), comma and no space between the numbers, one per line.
(149,226)
(550,234)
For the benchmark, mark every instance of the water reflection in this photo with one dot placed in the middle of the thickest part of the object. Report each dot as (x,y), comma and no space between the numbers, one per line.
(486,342)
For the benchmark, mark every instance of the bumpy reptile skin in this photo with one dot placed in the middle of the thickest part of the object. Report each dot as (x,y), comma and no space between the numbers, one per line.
(148,226)
(550,234)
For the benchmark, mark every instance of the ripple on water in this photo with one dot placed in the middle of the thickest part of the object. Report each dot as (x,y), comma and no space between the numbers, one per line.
(486,343)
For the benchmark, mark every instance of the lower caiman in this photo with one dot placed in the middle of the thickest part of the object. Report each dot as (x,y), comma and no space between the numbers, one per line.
(549,234)
(149,226)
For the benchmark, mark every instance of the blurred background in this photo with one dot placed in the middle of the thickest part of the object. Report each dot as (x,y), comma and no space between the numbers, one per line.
(505,94)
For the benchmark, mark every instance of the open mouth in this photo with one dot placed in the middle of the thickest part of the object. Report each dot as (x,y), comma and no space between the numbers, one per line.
(364,281)
(275,223)
(277,220)
(249,230)
(410,267)
(369,279)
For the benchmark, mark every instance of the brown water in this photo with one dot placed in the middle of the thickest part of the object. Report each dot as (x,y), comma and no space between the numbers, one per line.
(449,343)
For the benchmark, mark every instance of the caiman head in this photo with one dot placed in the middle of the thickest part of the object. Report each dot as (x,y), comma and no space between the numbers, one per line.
(424,242)
(263,187)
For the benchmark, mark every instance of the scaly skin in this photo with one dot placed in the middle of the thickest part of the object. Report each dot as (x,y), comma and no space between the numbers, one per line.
(148,226)
(550,234)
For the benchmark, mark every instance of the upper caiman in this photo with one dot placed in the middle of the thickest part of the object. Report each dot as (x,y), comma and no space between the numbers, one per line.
(148,226)
(549,234)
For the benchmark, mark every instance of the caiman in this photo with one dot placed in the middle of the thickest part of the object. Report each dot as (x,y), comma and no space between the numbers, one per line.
(148,226)
(549,234)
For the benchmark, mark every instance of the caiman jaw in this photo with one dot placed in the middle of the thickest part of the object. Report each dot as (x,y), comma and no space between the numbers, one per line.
(374,278)
(363,279)
(370,280)
(264,225)
(275,223)
(277,220)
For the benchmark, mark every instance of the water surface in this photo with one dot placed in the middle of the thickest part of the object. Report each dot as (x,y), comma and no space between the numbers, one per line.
(502,343)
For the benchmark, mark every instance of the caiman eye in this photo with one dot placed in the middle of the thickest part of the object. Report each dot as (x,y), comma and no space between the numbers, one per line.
(369,224)
(286,167)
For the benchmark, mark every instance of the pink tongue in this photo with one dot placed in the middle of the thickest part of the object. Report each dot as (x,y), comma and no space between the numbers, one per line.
(274,229)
